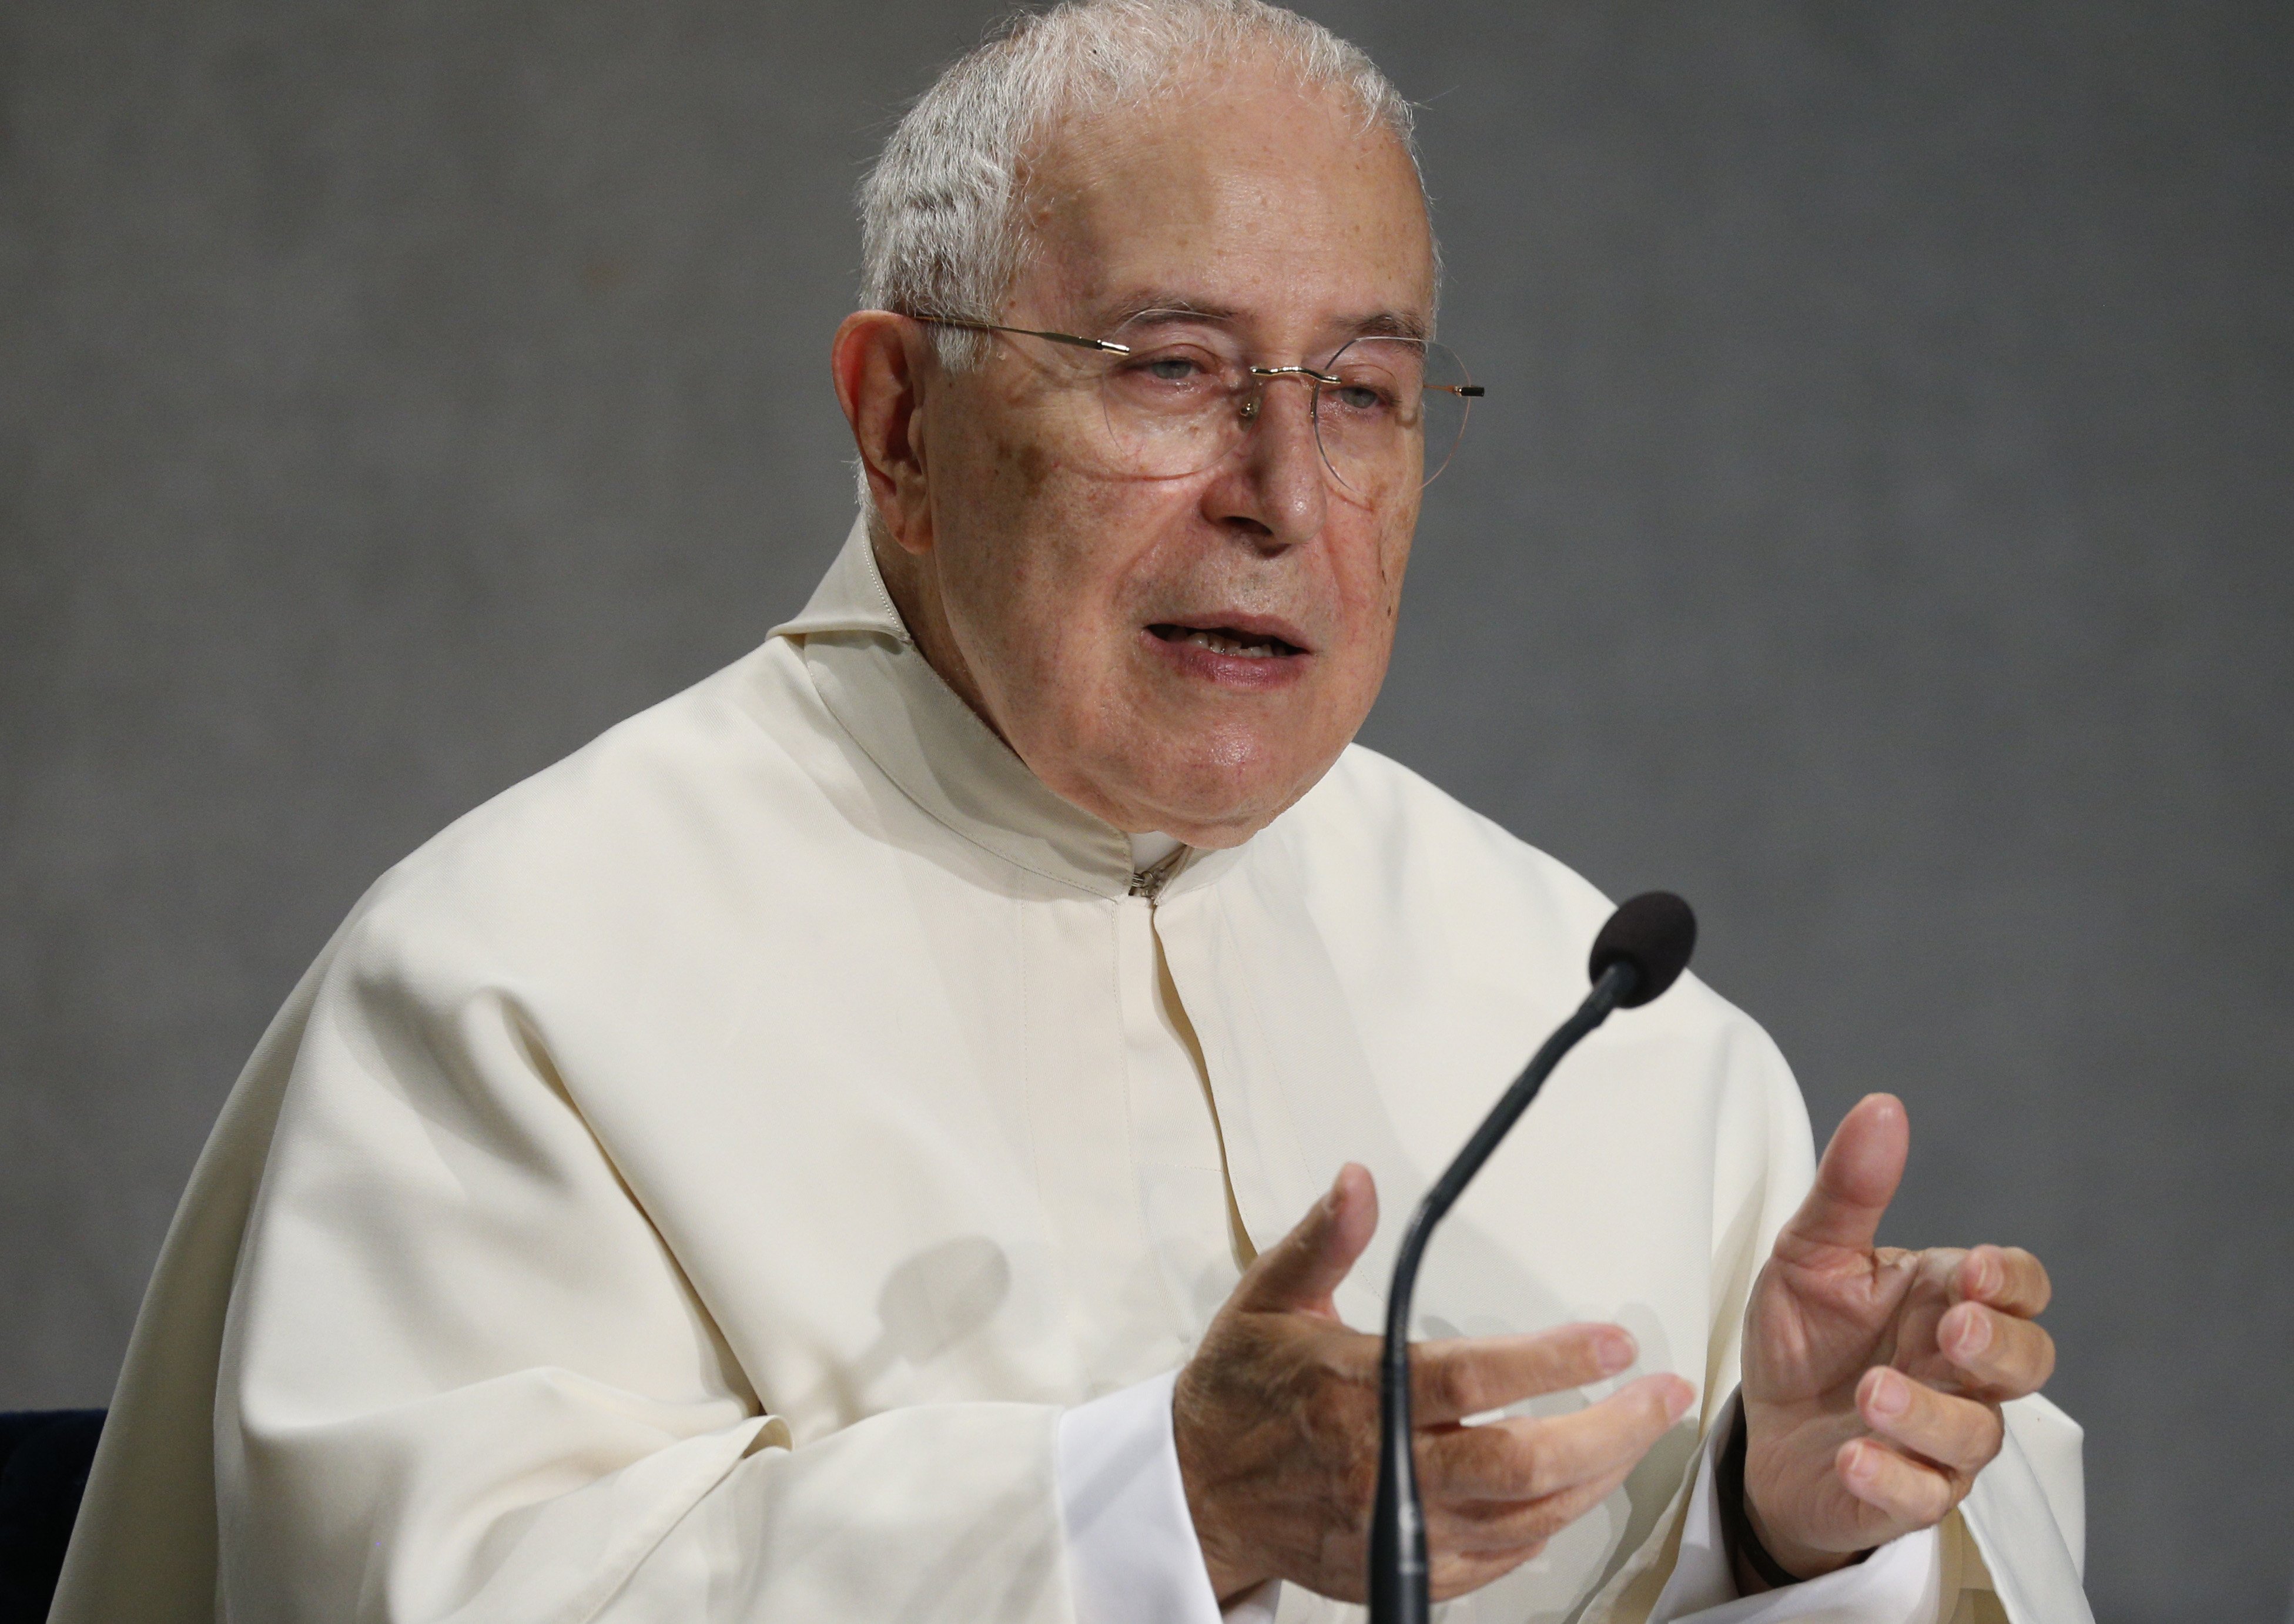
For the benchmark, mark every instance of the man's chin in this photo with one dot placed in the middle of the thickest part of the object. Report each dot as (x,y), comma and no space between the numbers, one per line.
(1210,774)
(1216,804)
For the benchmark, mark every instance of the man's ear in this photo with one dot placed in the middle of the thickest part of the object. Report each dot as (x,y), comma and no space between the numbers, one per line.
(880,362)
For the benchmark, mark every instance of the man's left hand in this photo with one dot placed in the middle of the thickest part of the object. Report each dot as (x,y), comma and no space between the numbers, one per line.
(1873,1375)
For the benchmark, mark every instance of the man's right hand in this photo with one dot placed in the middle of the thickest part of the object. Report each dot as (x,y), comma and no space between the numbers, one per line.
(1276,1423)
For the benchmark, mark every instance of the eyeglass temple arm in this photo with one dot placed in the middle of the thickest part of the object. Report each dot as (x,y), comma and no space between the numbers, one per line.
(1105,345)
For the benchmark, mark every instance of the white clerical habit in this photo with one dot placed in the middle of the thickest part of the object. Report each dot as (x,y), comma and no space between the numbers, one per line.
(767,1167)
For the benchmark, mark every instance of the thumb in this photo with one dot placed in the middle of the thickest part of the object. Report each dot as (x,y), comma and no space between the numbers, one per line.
(1855,1182)
(1305,1267)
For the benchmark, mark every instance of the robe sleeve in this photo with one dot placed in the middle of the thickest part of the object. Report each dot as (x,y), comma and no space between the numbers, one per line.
(1131,1550)
(463,1377)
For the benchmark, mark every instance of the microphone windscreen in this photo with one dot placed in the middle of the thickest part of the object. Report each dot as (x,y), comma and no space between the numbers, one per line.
(1655,933)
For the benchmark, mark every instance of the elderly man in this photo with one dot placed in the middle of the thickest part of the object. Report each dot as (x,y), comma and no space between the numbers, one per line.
(835,1147)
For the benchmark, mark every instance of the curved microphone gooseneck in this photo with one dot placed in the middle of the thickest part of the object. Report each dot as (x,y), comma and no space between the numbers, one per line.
(1639,952)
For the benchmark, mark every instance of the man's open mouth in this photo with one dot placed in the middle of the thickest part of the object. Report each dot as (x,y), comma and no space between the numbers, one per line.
(1226,640)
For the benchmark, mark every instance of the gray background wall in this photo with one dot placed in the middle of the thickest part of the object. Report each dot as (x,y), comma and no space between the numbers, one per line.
(1878,531)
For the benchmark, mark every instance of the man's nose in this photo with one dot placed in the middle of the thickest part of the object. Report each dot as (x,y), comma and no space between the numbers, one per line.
(1276,486)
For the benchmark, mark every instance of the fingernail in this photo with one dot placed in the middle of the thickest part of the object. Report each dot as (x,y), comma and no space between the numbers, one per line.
(1677,1406)
(1974,1334)
(1892,1395)
(1982,1275)
(1613,1350)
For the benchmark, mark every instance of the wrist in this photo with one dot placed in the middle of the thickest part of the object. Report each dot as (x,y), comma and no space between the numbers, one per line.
(1230,1579)
(1230,1574)
(1226,1560)
(1760,1557)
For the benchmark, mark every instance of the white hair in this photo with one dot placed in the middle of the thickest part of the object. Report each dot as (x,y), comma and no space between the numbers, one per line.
(941,227)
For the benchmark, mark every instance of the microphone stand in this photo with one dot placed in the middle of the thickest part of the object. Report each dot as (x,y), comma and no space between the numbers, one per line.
(1398,1554)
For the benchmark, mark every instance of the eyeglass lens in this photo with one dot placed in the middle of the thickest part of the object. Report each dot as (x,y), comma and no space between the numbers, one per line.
(1182,401)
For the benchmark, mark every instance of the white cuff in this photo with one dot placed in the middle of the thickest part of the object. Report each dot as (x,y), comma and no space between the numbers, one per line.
(1132,1551)
(1900,1583)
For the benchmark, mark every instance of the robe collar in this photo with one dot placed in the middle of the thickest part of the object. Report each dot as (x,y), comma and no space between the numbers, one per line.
(878,685)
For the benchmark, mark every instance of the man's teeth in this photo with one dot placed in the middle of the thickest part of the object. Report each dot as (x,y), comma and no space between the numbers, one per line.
(1218,645)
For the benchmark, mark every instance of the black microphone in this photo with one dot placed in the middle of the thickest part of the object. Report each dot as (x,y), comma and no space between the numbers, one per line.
(1639,952)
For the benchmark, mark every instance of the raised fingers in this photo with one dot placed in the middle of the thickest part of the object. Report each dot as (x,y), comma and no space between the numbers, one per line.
(1299,1272)
(2000,1354)
(1485,1528)
(1910,1494)
(1531,1457)
(1960,1434)
(1451,1380)
(1855,1182)
(2006,1277)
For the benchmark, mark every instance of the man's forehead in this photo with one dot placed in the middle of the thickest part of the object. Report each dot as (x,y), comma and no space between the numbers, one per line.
(1226,198)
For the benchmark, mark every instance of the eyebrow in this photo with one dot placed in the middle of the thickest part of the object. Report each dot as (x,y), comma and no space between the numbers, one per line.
(1393,324)
(1159,303)
(1180,308)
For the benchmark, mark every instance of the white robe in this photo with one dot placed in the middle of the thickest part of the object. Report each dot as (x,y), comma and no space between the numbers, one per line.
(695,1184)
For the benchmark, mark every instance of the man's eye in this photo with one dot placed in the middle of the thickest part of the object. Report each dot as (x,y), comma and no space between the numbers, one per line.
(1172,369)
(1360,397)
